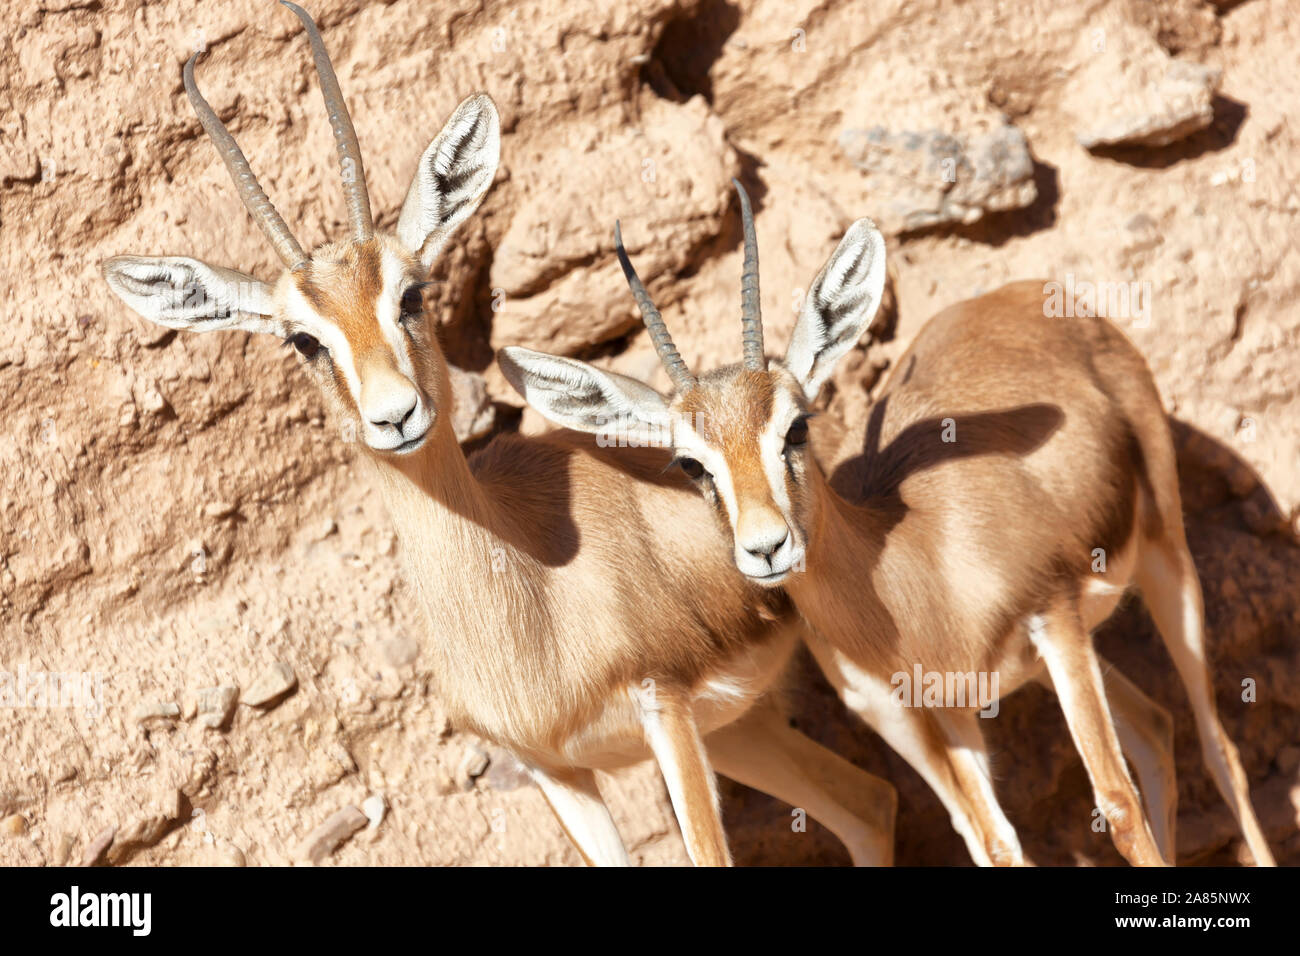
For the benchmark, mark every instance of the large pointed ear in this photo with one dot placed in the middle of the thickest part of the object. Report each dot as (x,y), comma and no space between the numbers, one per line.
(454,174)
(183,293)
(839,306)
(582,397)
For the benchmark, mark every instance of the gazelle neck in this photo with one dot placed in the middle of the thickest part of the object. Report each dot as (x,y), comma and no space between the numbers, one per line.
(472,582)
(436,476)
(435,483)
(844,548)
(839,527)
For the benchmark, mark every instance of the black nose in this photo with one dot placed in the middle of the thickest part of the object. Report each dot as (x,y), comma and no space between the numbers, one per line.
(397,419)
(770,547)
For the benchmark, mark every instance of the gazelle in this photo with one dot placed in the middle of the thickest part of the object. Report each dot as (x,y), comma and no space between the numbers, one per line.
(1003,450)
(577,617)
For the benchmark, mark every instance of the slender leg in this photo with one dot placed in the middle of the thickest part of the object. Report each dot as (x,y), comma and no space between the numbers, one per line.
(577,804)
(762,751)
(911,732)
(1072,662)
(1172,592)
(1146,735)
(674,738)
(968,756)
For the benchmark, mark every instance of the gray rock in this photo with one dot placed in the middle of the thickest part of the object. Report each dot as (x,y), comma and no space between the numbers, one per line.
(399,651)
(220,509)
(63,850)
(930,178)
(231,855)
(97,847)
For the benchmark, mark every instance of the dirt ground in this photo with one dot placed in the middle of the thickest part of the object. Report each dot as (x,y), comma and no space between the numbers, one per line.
(178,515)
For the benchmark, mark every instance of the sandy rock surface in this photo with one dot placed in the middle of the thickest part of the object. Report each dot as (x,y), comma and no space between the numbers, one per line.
(181,526)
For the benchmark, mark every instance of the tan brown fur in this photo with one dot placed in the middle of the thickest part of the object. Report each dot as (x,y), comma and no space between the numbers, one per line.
(921,551)
(496,543)
(1031,440)
(575,619)
(341,281)
(558,577)
(504,547)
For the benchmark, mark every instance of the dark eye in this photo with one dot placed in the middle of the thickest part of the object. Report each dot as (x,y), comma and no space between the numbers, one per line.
(305,344)
(692,467)
(798,433)
(412,303)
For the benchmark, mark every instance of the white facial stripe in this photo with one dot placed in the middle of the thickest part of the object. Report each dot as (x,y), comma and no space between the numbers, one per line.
(726,489)
(771,447)
(328,334)
(690,444)
(393,284)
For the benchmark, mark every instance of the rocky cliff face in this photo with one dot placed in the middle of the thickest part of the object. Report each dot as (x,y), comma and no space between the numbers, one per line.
(186,535)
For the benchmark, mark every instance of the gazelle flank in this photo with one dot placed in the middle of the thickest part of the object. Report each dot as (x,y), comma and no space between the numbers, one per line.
(973,555)
(572,619)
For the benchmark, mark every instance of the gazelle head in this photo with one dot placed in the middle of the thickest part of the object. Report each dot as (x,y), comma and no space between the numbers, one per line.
(352,308)
(740,433)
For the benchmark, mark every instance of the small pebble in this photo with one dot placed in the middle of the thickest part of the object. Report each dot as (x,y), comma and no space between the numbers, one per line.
(472,766)
(274,682)
(374,807)
(399,651)
(219,509)
(216,704)
(330,835)
(159,710)
(231,855)
(98,846)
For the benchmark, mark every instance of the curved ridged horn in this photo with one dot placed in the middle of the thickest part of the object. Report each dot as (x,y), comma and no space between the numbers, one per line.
(255,200)
(751,318)
(654,322)
(345,137)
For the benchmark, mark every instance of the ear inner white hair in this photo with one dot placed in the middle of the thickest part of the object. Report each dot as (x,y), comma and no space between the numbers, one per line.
(183,293)
(576,395)
(839,306)
(451,178)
